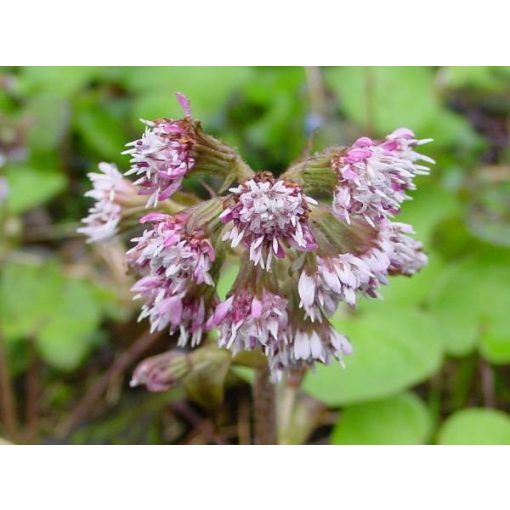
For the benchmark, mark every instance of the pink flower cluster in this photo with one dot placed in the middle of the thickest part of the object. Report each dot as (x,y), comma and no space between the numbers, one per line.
(301,258)
(175,263)
(248,321)
(267,214)
(162,157)
(110,192)
(341,278)
(374,177)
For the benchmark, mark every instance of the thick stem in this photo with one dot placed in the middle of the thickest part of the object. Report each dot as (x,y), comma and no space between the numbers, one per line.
(287,396)
(264,407)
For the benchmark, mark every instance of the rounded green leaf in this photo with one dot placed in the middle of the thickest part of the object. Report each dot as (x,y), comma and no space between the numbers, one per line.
(394,348)
(471,302)
(476,426)
(402,419)
(65,338)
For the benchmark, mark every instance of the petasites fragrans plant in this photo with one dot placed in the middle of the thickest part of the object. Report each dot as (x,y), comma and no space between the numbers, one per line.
(320,234)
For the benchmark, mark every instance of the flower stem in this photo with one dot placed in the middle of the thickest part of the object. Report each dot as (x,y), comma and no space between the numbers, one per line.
(264,407)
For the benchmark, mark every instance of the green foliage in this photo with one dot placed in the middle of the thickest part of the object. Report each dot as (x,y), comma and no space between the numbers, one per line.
(60,313)
(207,87)
(476,426)
(402,419)
(384,98)
(470,303)
(30,187)
(394,348)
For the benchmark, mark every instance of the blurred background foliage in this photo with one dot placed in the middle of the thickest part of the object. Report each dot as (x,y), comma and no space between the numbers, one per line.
(431,361)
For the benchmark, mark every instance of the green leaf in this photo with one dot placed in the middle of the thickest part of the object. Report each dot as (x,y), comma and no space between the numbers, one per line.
(64,340)
(471,302)
(28,294)
(60,313)
(50,115)
(394,348)
(30,187)
(385,98)
(492,79)
(402,419)
(61,81)
(393,96)
(103,132)
(207,88)
(429,205)
(476,426)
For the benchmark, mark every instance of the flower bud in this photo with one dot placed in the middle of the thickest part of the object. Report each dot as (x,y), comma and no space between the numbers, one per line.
(161,372)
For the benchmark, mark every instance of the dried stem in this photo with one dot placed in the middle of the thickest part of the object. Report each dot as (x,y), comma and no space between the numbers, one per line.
(32,394)
(487,376)
(264,407)
(98,390)
(7,405)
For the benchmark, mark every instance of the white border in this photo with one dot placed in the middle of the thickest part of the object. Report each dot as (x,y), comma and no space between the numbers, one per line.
(245,478)
(265,32)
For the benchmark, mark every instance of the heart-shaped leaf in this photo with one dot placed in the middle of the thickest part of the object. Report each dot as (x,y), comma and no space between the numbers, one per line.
(402,419)
(394,348)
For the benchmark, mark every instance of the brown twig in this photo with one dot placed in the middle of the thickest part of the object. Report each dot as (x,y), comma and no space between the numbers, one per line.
(99,389)
(32,394)
(487,377)
(243,421)
(264,407)
(7,403)
(204,427)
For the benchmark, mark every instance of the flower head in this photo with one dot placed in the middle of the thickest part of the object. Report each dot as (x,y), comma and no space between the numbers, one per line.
(341,278)
(168,248)
(111,191)
(267,214)
(163,156)
(176,263)
(247,320)
(185,311)
(407,257)
(373,177)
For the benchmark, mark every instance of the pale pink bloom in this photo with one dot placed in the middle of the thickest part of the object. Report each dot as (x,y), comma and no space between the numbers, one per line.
(342,278)
(407,257)
(266,215)
(175,262)
(374,177)
(247,321)
(169,249)
(162,157)
(311,342)
(336,279)
(110,190)
(166,308)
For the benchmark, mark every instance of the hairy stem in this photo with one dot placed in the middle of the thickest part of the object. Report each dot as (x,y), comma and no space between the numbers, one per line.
(264,407)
